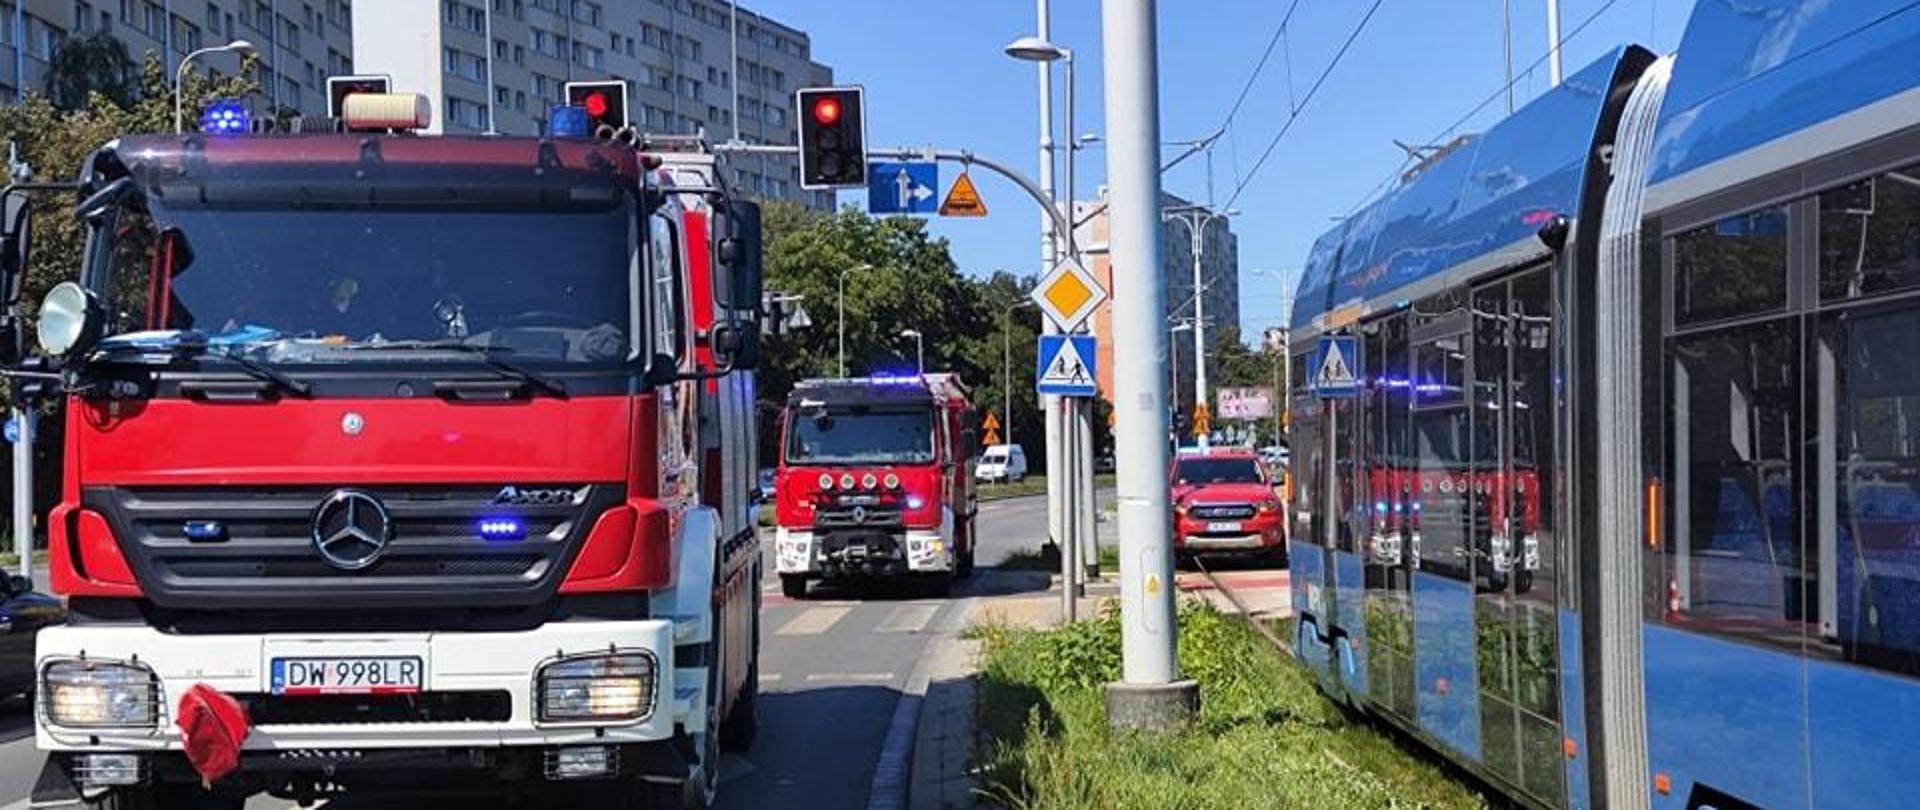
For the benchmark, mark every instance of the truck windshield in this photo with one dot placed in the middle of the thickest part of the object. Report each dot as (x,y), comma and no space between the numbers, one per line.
(549,284)
(1218,471)
(861,435)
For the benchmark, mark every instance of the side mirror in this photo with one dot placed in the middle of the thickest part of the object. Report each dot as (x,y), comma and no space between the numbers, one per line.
(663,370)
(740,252)
(738,343)
(16,242)
(18,584)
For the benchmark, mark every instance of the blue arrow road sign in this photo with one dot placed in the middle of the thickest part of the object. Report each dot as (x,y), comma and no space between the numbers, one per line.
(1066,367)
(1334,369)
(903,188)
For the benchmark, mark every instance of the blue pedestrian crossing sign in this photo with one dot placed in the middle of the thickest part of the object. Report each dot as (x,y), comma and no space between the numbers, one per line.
(903,188)
(1334,368)
(1066,367)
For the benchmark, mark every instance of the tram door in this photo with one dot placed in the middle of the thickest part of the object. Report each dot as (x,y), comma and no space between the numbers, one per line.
(1390,488)
(1511,483)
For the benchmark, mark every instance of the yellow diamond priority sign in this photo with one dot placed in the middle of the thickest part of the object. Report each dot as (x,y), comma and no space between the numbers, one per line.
(1068,295)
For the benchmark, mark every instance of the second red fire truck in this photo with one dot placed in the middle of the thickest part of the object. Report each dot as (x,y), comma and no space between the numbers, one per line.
(876,481)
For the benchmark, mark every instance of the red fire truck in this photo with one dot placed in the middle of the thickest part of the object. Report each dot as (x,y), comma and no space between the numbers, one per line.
(876,480)
(401,463)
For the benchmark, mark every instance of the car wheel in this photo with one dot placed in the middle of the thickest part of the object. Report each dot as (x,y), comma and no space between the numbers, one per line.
(793,586)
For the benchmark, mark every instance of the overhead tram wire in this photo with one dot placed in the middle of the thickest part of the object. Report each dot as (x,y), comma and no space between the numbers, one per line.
(1279,33)
(1442,135)
(1294,114)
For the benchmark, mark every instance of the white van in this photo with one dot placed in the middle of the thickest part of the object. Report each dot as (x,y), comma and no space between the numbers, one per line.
(1002,463)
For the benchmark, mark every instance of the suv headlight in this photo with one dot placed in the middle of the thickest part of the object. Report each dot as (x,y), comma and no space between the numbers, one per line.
(80,693)
(599,686)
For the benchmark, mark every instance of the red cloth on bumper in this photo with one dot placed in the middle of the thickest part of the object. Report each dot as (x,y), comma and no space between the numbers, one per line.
(212,727)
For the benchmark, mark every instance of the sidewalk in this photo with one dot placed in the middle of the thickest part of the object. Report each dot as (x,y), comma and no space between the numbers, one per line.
(945,738)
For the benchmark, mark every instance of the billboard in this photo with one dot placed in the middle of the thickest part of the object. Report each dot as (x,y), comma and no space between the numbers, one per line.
(1245,404)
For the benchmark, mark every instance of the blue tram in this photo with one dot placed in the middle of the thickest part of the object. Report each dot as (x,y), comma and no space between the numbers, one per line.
(1626,512)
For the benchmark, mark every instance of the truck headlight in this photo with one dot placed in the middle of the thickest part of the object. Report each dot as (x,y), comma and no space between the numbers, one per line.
(599,686)
(79,693)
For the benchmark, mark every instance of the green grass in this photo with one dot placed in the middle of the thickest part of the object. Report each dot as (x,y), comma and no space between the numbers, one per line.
(1264,737)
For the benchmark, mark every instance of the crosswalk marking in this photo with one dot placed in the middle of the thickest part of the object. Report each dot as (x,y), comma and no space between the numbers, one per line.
(908,619)
(813,622)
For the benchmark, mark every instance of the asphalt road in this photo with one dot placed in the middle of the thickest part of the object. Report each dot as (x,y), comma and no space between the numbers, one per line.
(832,668)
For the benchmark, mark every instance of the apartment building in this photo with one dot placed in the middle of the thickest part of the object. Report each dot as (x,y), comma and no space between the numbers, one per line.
(1220,287)
(500,65)
(300,42)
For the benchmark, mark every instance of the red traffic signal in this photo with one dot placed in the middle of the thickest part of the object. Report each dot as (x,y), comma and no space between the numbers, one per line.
(605,103)
(833,137)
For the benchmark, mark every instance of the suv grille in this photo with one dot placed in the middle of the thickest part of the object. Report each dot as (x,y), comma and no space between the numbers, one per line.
(263,553)
(1222,511)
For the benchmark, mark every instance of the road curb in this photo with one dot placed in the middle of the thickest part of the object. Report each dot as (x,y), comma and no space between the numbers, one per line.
(893,771)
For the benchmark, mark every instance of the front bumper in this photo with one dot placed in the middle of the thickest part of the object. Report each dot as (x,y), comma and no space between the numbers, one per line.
(1254,534)
(240,664)
(833,554)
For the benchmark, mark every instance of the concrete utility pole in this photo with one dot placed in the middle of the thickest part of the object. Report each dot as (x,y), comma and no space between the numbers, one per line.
(1049,256)
(1151,693)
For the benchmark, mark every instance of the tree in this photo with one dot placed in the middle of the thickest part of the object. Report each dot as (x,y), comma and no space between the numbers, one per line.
(88,64)
(1236,365)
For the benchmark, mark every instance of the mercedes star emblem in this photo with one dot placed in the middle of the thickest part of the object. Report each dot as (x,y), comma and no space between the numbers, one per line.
(351,529)
(352,423)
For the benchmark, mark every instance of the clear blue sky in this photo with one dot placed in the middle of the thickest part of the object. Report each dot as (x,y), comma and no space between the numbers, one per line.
(934,74)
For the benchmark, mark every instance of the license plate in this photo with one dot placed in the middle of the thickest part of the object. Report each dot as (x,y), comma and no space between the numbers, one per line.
(347,676)
(1223,526)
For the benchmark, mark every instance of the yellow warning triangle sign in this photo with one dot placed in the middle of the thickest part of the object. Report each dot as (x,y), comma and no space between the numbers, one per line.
(992,423)
(993,437)
(963,200)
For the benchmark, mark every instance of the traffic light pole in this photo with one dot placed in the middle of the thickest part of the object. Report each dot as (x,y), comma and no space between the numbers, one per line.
(1151,693)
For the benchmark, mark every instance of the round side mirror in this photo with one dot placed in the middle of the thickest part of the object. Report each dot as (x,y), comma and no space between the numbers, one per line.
(70,320)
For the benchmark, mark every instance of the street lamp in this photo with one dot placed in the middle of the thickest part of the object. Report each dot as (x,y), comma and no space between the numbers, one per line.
(1006,368)
(919,350)
(841,302)
(1035,48)
(1196,218)
(239,46)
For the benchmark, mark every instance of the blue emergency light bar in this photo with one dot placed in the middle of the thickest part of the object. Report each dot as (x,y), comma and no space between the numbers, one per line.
(225,117)
(568,121)
(502,529)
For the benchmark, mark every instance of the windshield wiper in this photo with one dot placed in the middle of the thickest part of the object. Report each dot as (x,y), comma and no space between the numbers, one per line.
(261,371)
(193,346)
(487,354)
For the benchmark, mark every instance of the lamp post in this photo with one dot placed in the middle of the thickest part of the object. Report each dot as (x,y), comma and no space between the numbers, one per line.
(919,350)
(239,46)
(1074,447)
(840,299)
(1196,218)
(1006,368)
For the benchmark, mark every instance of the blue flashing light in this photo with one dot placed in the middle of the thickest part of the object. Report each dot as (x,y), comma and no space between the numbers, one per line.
(204,531)
(1380,506)
(225,117)
(568,121)
(914,502)
(502,529)
(896,379)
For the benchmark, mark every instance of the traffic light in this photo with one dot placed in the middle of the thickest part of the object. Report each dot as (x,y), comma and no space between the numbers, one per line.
(339,87)
(833,137)
(605,103)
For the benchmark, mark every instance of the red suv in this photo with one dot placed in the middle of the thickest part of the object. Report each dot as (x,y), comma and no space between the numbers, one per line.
(1224,503)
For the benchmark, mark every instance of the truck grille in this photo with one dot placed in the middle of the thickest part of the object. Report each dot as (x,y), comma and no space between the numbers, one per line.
(1222,511)
(425,707)
(254,547)
(872,517)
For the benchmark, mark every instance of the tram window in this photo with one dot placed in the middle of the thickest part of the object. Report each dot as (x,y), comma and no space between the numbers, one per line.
(1736,565)
(1876,565)
(1734,267)
(1440,373)
(1442,438)
(1870,236)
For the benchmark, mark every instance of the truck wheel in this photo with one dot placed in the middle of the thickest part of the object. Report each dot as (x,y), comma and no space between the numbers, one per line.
(793,586)
(940,585)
